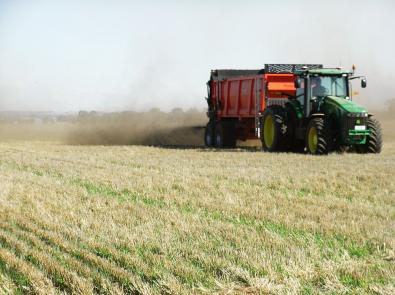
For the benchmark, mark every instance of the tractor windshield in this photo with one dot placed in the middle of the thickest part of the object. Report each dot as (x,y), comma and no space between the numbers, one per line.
(329,85)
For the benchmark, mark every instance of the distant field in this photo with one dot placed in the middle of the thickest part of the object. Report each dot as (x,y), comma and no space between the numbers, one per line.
(150,220)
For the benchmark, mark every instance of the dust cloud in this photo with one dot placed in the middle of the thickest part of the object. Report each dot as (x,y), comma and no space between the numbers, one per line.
(146,128)
(153,128)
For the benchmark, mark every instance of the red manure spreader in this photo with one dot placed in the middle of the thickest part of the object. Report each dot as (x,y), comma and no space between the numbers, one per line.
(290,107)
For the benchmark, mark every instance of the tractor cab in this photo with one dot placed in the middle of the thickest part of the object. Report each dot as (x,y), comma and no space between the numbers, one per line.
(314,86)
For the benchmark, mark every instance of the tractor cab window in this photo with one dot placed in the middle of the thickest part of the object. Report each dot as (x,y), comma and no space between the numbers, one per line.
(300,92)
(322,86)
(317,89)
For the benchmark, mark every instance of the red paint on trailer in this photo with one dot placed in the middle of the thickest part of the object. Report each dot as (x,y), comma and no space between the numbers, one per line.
(243,98)
(237,97)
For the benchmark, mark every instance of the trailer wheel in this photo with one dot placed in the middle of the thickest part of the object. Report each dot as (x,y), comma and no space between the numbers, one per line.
(225,136)
(317,137)
(219,136)
(374,141)
(274,129)
(209,135)
(230,134)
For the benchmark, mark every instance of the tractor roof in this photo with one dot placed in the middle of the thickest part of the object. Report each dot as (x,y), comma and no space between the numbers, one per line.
(328,71)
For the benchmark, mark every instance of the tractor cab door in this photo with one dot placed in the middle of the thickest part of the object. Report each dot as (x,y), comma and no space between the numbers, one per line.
(300,92)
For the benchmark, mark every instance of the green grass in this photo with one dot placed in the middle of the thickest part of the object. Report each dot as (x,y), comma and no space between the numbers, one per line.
(21,281)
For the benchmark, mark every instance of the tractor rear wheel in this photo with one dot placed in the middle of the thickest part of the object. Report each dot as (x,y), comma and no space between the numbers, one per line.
(317,137)
(374,141)
(209,135)
(273,129)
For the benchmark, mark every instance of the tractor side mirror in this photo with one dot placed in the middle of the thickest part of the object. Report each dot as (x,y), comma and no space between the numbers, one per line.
(363,83)
(298,83)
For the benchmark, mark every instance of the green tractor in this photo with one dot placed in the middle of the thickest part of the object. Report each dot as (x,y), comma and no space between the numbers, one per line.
(321,116)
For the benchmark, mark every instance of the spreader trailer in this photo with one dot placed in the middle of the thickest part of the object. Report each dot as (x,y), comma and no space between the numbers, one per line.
(290,107)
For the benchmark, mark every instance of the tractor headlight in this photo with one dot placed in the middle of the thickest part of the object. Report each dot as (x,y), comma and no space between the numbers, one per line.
(357,115)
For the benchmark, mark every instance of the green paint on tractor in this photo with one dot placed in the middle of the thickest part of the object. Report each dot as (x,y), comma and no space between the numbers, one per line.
(329,72)
(345,104)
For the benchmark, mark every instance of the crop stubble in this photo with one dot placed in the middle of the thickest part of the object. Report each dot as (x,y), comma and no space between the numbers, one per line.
(135,219)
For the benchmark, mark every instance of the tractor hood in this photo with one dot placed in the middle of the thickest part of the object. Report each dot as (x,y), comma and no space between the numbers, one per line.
(345,104)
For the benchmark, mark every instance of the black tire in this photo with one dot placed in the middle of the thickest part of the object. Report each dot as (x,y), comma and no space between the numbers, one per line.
(274,129)
(230,137)
(225,136)
(374,142)
(219,141)
(341,149)
(321,143)
(292,143)
(209,135)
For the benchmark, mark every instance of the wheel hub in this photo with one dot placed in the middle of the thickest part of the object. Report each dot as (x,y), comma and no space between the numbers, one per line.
(268,131)
(313,140)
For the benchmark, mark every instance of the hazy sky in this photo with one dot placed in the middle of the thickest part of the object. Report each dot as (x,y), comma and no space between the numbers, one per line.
(115,55)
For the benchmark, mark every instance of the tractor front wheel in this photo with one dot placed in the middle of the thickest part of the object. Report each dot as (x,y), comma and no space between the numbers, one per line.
(317,138)
(374,141)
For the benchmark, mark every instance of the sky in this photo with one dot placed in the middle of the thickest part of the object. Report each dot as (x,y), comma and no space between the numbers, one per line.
(68,55)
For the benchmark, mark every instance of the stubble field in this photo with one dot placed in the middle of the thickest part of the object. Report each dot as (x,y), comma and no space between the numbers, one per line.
(151,220)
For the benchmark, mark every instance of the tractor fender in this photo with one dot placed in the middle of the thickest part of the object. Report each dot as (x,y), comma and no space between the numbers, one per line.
(316,115)
(296,108)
